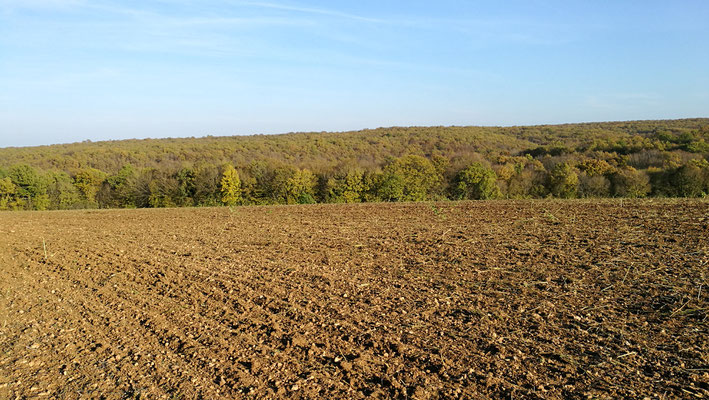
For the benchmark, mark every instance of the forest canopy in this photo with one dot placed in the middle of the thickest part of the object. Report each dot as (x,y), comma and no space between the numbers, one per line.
(613,159)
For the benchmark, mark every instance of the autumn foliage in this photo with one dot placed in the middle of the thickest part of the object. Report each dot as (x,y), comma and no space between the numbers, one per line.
(616,159)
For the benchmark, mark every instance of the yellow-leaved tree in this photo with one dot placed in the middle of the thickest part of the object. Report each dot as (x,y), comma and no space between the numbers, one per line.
(230,186)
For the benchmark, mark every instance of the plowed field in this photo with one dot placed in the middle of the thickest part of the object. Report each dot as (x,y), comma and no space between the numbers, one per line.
(528,299)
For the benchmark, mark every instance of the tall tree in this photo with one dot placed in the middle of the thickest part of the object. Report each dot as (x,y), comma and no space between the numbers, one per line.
(418,177)
(300,187)
(629,182)
(476,182)
(31,187)
(230,186)
(88,181)
(62,193)
(564,181)
(7,193)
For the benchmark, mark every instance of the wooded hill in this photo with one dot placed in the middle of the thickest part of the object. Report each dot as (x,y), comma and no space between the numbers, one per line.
(622,159)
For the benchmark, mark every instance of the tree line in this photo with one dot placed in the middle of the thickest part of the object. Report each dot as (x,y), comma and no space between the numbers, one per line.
(634,159)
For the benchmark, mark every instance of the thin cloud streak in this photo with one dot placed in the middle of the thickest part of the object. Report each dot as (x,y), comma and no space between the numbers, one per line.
(305,64)
(154,18)
(310,10)
(39,4)
(481,30)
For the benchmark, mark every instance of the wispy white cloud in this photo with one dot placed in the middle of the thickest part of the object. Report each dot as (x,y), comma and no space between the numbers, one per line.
(10,5)
(39,3)
(519,30)
(309,10)
(231,14)
(145,28)
(145,14)
(157,19)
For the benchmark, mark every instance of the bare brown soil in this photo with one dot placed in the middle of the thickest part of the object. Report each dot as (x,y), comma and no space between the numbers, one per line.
(536,300)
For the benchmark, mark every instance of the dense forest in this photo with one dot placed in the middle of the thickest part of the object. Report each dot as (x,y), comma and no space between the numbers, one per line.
(613,159)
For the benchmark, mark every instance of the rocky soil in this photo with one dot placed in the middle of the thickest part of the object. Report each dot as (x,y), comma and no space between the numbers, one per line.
(503,299)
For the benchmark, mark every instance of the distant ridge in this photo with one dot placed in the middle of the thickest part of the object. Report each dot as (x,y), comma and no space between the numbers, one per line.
(368,147)
(608,159)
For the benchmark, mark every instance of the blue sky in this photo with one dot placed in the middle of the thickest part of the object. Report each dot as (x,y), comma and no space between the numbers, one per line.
(72,70)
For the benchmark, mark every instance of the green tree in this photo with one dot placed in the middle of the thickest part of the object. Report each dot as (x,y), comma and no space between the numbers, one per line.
(354,186)
(206,185)
(230,186)
(63,195)
(186,187)
(279,189)
(88,181)
(160,196)
(119,190)
(417,176)
(7,193)
(344,187)
(476,182)
(257,183)
(564,181)
(524,178)
(390,187)
(690,180)
(154,188)
(629,182)
(300,187)
(369,182)
(31,187)
(699,146)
